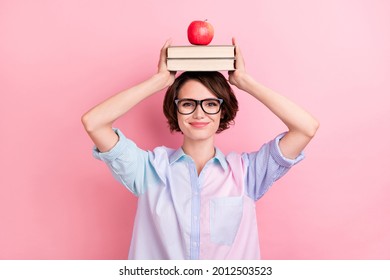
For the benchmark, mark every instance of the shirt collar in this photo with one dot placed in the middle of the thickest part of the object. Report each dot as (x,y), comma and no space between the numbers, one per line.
(179,153)
(219,156)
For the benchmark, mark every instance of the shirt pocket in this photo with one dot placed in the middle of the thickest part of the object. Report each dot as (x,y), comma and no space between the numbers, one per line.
(225,219)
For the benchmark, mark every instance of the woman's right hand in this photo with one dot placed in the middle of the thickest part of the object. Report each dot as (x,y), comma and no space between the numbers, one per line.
(167,75)
(98,121)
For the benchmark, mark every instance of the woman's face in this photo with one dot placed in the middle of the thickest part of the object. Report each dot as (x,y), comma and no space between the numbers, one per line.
(197,126)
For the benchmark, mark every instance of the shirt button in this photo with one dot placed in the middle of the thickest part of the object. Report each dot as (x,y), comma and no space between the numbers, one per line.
(195,218)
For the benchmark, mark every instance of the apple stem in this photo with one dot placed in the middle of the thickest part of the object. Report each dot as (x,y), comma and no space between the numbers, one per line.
(205,19)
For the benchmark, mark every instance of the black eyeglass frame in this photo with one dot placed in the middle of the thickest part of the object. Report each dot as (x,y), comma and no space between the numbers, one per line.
(199,102)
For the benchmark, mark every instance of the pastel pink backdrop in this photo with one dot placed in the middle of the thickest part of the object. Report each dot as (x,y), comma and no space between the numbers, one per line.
(59,58)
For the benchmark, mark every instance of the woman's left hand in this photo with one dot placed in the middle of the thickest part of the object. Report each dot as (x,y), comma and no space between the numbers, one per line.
(236,76)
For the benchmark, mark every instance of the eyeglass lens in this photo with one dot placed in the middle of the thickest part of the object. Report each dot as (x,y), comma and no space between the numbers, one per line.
(209,106)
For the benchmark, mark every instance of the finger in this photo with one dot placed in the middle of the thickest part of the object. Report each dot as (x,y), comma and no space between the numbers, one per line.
(167,43)
(237,49)
(163,53)
(239,58)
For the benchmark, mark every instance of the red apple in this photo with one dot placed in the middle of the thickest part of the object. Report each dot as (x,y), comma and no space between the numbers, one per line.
(200,32)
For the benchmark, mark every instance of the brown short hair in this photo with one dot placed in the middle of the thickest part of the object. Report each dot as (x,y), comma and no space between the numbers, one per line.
(213,81)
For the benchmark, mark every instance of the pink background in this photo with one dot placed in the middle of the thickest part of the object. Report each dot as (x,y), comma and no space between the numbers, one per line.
(59,58)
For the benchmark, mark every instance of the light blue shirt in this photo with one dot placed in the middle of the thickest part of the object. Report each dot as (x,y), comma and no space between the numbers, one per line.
(181,215)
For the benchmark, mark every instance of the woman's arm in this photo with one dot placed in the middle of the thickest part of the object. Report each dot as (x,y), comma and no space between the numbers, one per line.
(301,125)
(98,120)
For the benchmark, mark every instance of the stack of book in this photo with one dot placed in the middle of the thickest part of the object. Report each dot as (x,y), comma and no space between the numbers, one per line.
(201,58)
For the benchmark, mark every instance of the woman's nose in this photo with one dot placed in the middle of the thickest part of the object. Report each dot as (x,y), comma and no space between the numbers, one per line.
(198,113)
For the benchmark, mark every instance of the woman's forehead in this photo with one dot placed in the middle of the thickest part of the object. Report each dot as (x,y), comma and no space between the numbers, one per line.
(195,90)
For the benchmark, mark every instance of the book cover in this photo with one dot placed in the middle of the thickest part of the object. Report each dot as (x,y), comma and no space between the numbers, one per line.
(209,51)
(201,64)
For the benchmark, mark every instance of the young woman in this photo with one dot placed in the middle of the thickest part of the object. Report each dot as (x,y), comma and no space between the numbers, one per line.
(195,202)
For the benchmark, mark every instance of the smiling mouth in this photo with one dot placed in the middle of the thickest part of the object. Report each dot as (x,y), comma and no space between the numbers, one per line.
(199,124)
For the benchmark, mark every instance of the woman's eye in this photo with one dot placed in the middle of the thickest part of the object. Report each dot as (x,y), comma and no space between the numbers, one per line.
(187,104)
(211,104)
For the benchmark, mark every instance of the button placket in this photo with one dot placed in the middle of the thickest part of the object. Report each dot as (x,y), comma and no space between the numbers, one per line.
(195,212)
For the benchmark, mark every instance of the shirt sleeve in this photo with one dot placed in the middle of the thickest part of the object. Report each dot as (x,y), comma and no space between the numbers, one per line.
(129,164)
(266,166)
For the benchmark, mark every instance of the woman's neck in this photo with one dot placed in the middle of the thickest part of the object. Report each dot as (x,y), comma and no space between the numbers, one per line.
(201,151)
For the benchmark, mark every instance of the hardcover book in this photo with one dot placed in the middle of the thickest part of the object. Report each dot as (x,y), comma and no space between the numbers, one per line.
(201,58)
(210,51)
(201,64)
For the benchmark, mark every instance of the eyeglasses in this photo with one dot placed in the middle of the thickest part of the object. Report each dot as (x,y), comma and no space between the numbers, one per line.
(210,106)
